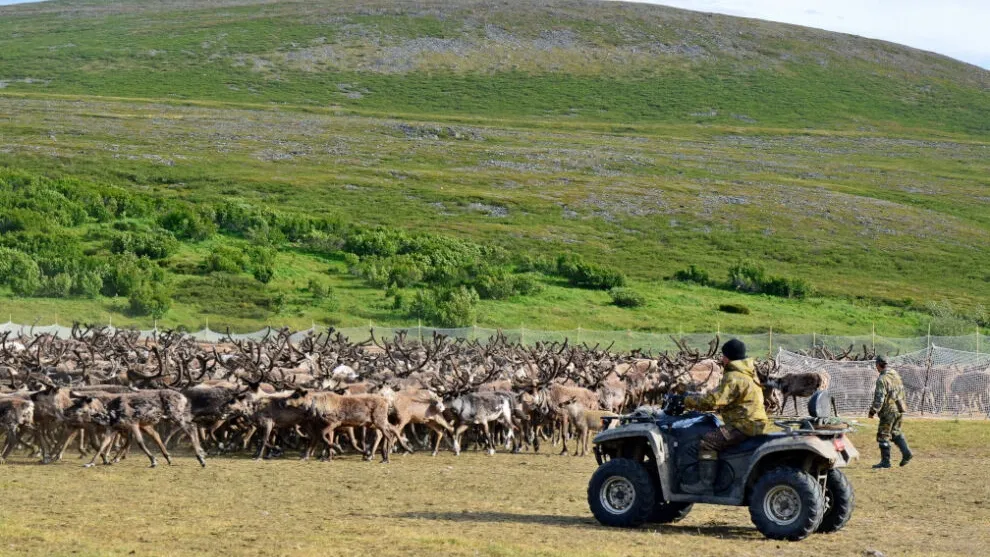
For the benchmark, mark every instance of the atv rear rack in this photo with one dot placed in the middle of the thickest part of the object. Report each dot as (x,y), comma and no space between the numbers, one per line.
(814,426)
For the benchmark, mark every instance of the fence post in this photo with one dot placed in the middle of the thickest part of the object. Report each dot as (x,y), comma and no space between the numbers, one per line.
(770,351)
(977,339)
(929,335)
(873,338)
(419,327)
(522,334)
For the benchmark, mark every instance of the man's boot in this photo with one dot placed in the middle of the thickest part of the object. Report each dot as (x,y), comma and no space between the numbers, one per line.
(906,453)
(884,455)
(707,467)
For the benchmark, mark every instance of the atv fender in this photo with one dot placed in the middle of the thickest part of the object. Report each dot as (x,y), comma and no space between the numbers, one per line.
(797,449)
(639,432)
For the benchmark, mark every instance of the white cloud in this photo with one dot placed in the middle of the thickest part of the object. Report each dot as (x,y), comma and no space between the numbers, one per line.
(956,28)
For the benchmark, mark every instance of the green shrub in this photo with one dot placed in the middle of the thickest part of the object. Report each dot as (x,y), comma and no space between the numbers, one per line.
(734,308)
(19,272)
(752,278)
(185,222)
(262,263)
(58,286)
(449,307)
(746,277)
(124,272)
(693,274)
(87,284)
(627,297)
(582,274)
(492,283)
(527,284)
(318,289)
(157,244)
(225,259)
(150,299)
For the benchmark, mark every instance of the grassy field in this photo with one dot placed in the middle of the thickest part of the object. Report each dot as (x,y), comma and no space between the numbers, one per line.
(468,505)
(640,137)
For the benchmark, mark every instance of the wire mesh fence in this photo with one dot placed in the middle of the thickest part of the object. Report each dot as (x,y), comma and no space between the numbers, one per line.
(763,344)
(938,381)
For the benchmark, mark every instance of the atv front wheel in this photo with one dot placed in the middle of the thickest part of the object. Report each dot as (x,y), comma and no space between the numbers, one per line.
(839,502)
(786,504)
(621,493)
(669,512)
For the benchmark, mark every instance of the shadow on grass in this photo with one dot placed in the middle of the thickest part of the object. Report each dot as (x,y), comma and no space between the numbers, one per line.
(707,530)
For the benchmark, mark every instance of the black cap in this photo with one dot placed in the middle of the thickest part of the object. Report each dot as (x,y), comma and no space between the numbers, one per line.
(734,350)
(881,361)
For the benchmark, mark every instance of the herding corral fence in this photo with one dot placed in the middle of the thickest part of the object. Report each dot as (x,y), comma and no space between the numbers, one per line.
(943,375)
(759,345)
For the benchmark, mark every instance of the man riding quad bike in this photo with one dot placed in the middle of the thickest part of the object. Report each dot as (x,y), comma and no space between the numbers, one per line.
(656,464)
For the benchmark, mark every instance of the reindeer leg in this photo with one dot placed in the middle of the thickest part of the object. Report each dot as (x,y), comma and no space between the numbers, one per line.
(439,431)
(267,433)
(135,432)
(247,437)
(328,433)
(64,445)
(108,438)
(125,447)
(403,442)
(457,437)
(194,439)
(10,443)
(563,434)
(158,441)
(168,438)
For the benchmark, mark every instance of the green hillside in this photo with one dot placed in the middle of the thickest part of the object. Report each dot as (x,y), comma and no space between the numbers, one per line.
(640,139)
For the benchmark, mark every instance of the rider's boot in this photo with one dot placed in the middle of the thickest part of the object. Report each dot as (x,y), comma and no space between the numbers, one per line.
(884,455)
(707,467)
(906,454)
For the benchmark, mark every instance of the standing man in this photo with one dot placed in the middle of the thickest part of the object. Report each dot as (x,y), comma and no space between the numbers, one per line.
(888,402)
(739,400)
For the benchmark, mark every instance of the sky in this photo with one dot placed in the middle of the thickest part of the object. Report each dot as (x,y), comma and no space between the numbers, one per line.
(956,28)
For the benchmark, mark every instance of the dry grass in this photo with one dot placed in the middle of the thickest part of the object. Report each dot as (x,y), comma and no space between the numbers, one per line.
(503,505)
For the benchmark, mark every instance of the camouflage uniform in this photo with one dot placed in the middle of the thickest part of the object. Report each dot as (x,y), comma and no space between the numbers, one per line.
(739,400)
(888,402)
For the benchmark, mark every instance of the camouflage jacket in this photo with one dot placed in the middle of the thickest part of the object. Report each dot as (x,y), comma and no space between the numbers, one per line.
(889,391)
(738,399)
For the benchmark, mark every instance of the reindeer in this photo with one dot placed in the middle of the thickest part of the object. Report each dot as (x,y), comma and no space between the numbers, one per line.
(136,412)
(16,413)
(329,411)
(419,406)
(794,385)
(593,421)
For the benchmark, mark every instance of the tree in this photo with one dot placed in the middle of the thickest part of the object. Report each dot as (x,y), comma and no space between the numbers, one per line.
(19,272)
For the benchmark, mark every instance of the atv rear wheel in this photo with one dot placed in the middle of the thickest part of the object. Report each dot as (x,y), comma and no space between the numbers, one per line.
(621,493)
(839,502)
(669,512)
(786,504)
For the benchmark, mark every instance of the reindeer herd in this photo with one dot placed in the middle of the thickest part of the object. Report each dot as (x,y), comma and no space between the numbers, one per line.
(99,391)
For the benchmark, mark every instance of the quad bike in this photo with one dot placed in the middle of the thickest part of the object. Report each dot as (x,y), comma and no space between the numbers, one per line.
(791,480)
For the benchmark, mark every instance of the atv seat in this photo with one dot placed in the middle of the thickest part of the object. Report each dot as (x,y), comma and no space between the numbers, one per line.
(752,443)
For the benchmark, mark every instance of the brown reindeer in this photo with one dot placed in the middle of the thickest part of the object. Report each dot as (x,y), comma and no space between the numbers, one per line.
(136,412)
(16,413)
(794,385)
(329,411)
(419,406)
